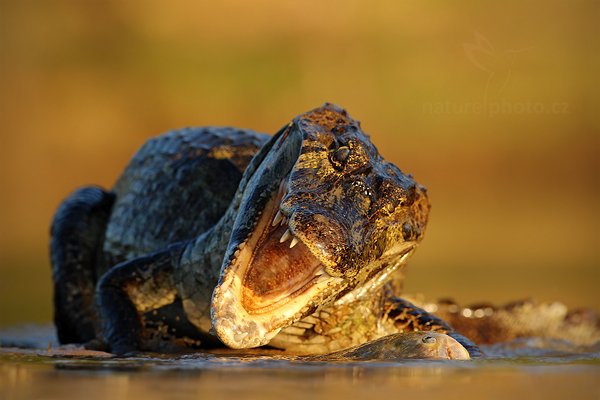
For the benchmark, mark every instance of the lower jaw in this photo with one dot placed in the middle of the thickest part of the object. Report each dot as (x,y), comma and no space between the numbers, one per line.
(239,327)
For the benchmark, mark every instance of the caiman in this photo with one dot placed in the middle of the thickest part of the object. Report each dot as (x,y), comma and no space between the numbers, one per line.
(227,236)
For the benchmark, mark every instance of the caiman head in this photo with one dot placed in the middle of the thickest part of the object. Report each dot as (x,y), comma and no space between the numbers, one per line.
(321,215)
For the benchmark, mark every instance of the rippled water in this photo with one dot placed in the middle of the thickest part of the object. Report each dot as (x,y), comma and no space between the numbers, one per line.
(527,369)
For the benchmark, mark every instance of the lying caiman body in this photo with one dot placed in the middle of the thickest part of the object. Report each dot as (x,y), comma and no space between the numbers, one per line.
(225,236)
(486,323)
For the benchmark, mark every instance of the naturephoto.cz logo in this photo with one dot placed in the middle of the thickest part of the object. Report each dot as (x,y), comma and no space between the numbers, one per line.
(497,67)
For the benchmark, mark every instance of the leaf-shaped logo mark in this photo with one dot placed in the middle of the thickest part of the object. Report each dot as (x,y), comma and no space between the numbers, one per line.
(498,65)
(481,53)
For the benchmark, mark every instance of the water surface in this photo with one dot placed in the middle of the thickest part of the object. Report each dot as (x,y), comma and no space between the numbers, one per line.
(526,369)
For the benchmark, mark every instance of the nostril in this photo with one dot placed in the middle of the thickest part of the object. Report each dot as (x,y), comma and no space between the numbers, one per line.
(429,339)
(407,231)
(417,232)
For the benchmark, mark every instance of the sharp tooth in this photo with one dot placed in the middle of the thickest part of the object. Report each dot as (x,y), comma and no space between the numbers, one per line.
(293,242)
(278,218)
(286,235)
(283,221)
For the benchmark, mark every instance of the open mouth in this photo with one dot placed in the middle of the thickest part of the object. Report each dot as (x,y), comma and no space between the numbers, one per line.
(281,267)
(273,280)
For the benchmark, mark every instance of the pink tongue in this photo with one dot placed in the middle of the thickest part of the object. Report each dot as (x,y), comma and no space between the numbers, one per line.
(276,271)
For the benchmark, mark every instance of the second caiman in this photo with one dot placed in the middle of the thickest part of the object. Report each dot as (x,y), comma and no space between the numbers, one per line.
(225,236)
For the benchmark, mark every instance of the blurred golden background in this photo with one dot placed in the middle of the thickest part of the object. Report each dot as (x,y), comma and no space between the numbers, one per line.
(492,105)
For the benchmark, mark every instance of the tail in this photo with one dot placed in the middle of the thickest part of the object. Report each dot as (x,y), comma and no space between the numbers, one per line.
(76,253)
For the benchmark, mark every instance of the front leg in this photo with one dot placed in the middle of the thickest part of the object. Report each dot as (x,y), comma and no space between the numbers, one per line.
(408,318)
(131,289)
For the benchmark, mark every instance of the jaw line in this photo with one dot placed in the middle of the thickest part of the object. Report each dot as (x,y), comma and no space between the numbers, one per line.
(237,327)
(403,252)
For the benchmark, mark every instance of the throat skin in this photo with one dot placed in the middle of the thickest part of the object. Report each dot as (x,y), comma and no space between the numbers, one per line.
(199,269)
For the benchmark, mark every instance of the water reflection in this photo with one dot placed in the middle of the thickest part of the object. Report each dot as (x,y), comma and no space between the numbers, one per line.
(29,376)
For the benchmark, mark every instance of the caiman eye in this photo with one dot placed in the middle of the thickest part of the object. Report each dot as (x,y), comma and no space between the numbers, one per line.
(339,156)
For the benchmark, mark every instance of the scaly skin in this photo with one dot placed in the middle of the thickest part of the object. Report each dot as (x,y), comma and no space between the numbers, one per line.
(230,232)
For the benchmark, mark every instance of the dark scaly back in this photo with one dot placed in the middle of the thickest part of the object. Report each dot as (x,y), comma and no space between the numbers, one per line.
(177,186)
